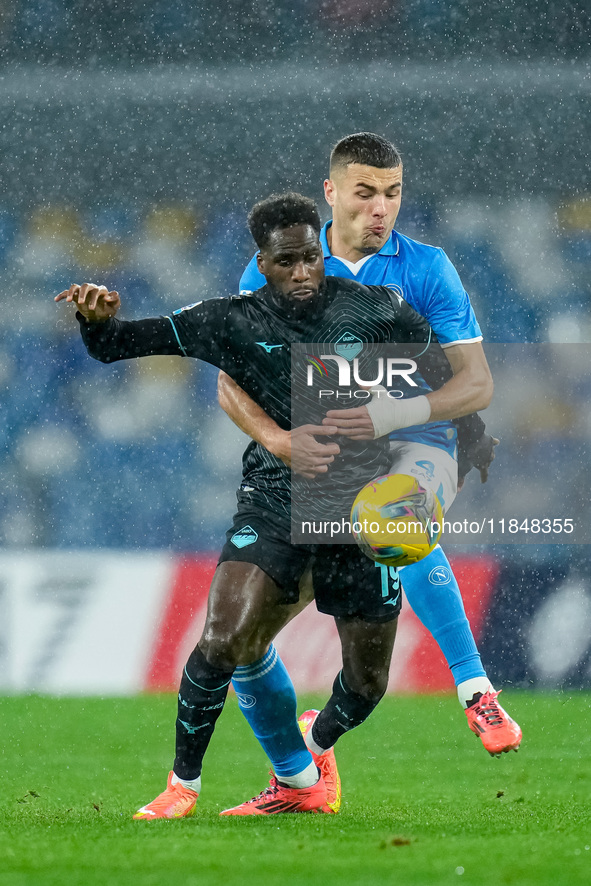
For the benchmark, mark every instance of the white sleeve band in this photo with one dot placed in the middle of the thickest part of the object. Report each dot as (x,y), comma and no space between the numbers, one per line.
(389,414)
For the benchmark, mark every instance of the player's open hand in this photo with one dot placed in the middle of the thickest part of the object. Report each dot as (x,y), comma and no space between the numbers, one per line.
(310,457)
(354,423)
(95,303)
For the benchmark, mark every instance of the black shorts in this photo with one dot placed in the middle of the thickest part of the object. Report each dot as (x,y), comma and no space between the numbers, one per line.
(347,584)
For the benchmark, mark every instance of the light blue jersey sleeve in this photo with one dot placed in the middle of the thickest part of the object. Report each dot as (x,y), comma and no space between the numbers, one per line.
(252,278)
(445,303)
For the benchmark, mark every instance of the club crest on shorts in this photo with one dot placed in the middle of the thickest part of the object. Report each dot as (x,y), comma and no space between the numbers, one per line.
(244,537)
(348,346)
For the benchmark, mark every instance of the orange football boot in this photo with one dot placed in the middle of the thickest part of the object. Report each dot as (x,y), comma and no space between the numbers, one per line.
(176,801)
(493,725)
(326,763)
(279,798)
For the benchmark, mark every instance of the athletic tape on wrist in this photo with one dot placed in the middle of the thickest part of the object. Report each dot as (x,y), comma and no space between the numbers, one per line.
(388,414)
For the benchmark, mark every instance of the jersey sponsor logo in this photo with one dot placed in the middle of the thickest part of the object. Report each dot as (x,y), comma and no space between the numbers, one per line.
(441,575)
(244,537)
(424,468)
(246,701)
(348,346)
(268,348)
(187,308)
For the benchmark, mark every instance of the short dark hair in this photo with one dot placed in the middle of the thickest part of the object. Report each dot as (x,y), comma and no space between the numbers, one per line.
(367,149)
(281,211)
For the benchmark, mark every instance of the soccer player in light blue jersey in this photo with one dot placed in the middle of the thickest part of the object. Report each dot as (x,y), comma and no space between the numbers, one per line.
(364,191)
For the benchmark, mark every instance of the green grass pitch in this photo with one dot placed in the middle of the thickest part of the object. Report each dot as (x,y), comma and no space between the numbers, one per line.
(423,802)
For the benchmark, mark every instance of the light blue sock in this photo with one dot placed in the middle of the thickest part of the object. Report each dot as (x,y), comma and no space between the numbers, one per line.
(434,596)
(268,701)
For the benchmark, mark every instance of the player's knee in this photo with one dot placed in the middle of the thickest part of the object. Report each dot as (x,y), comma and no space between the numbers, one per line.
(228,648)
(369,683)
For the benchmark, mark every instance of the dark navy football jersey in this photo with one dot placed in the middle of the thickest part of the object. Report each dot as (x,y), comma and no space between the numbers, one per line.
(251,336)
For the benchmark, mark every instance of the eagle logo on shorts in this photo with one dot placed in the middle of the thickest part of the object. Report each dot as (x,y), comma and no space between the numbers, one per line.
(244,537)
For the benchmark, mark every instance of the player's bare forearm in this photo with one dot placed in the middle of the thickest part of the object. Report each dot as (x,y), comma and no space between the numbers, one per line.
(95,303)
(469,390)
(252,419)
(298,449)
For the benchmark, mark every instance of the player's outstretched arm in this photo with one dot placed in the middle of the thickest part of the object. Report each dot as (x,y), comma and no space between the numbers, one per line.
(108,339)
(298,448)
(95,303)
(468,390)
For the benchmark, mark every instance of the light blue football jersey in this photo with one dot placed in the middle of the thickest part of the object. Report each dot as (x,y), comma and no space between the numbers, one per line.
(423,275)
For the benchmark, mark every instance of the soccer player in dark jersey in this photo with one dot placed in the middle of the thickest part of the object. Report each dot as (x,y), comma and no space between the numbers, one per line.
(364,190)
(256,583)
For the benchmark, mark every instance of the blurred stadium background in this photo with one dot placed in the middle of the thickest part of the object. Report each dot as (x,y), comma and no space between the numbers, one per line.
(134,138)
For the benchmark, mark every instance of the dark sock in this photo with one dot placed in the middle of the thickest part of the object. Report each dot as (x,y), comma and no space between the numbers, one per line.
(344,711)
(202,695)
